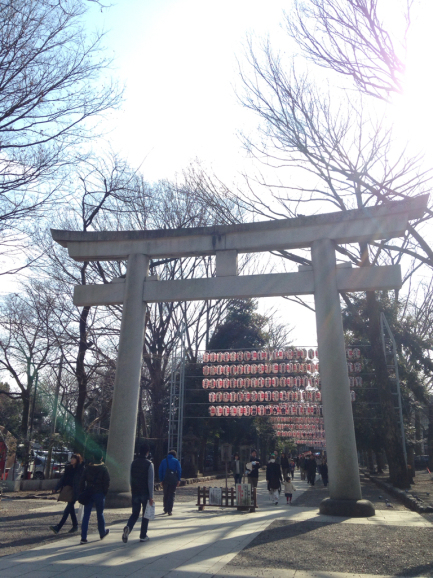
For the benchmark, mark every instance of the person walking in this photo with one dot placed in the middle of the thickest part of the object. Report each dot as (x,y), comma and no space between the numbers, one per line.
(94,482)
(285,465)
(142,482)
(274,478)
(69,486)
(237,469)
(324,472)
(289,488)
(311,467)
(253,470)
(302,465)
(170,474)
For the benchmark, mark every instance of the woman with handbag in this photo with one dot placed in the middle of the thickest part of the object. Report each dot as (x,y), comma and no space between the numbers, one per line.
(69,485)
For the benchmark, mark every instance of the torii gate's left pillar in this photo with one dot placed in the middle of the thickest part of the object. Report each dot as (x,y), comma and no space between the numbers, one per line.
(121,437)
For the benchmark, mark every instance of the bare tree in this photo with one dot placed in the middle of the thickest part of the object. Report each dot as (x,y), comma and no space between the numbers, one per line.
(349,37)
(49,103)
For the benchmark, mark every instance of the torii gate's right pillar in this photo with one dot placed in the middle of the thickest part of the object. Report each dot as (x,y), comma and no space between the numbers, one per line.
(344,485)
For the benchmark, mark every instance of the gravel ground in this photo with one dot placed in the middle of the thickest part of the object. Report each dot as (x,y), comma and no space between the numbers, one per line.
(22,529)
(313,496)
(365,549)
(354,548)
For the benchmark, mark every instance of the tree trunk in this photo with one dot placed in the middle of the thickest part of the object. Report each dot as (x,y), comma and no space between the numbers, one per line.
(391,434)
(418,450)
(82,381)
(430,435)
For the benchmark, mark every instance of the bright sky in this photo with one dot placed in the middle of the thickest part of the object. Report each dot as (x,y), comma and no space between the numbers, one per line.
(177,59)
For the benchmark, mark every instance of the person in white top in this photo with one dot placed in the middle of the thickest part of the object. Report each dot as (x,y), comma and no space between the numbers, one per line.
(289,488)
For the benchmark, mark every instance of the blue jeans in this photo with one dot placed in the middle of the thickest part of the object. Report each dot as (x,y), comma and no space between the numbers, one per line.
(69,510)
(99,501)
(138,500)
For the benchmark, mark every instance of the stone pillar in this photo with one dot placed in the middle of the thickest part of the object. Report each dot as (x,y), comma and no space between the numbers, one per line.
(123,422)
(344,484)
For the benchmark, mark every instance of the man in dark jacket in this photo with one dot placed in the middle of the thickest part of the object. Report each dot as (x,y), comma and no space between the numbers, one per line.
(96,480)
(253,476)
(274,478)
(142,481)
(170,474)
(311,466)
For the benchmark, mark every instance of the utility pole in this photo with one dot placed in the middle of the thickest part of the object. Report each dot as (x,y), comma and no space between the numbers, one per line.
(53,421)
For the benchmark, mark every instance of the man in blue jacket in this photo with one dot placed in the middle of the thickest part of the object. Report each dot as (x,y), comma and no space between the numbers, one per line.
(169,474)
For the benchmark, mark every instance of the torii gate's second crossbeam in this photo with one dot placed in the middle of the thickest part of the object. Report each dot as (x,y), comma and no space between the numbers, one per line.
(325,279)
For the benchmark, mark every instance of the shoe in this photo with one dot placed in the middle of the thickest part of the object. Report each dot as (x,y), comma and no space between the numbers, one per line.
(54,529)
(125,534)
(83,541)
(73,530)
(170,513)
(145,539)
(106,534)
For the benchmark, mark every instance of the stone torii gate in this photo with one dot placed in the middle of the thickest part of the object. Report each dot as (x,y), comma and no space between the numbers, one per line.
(325,279)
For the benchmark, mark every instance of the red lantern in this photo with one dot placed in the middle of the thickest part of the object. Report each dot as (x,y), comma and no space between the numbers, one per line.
(220,356)
(241,382)
(232,356)
(205,383)
(275,367)
(212,411)
(358,366)
(247,396)
(356,353)
(261,410)
(205,370)
(247,368)
(233,411)
(268,382)
(212,397)
(218,396)
(253,410)
(254,356)
(247,382)
(311,353)
(226,396)
(226,411)
(247,410)
(254,396)
(240,369)
(268,396)
(263,355)
(349,353)
(261,381)
(261,396)
(233,396)
(247,355)
(239,356)
(282,382)
(254,368)
(240,396)
(219,383)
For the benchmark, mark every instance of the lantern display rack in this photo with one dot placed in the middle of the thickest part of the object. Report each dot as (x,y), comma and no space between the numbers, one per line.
(291,353)
(270,409)
(298,420)
(261,396)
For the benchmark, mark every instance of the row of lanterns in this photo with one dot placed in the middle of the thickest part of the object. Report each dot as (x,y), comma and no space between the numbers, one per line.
(260,382)
(299,434)
(253,410)
(355,381)
(261,368)
(253,396)
(263,355)
(354,367)
(353,353)
(307,442)
(297,427)
(298,420)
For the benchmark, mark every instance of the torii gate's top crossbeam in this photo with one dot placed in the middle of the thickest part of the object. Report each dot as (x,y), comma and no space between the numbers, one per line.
(383,222)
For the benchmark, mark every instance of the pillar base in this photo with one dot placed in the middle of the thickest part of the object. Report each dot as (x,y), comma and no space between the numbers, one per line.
(118,500)
(347,508)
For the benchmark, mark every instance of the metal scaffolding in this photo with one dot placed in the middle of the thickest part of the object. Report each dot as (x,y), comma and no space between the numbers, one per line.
(177,397)
(390,353)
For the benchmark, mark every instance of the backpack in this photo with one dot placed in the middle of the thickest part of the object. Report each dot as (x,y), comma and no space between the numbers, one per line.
(170,476)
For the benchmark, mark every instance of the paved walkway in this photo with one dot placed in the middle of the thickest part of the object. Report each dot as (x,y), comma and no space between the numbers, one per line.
(190,544)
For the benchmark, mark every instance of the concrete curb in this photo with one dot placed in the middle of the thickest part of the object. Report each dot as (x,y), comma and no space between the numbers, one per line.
(407,499)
